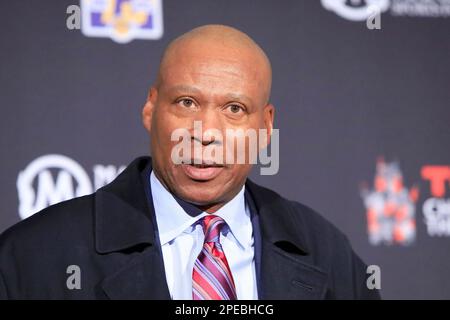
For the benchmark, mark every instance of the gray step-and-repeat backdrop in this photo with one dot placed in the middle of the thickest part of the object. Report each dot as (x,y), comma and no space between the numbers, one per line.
(362,90)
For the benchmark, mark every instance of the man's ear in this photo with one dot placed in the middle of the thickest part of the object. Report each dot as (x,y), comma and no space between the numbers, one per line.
(147,110)
(269,115)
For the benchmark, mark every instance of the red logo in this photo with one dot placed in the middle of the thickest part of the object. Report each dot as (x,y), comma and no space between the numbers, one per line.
(390,206)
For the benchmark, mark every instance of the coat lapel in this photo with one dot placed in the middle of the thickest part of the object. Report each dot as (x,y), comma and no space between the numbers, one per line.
(287,270)
(125,231)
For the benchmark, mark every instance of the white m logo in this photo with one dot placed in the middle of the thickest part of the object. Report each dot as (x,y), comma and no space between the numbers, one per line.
(71,181)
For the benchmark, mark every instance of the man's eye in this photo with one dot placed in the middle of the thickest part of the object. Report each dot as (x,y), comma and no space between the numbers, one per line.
(188,103)
(234,108)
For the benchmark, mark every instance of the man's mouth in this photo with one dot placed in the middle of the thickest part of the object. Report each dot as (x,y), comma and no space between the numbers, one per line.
(203,171)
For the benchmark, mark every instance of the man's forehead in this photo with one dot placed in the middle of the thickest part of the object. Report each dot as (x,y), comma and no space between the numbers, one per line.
(216,54)
(212,65)
(238,83)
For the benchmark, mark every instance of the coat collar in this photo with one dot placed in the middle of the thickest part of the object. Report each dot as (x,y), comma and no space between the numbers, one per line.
(276,221)
(124,216)
(287,269)
(125,222)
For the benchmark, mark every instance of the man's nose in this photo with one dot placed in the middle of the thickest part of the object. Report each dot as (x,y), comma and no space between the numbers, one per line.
(210,124)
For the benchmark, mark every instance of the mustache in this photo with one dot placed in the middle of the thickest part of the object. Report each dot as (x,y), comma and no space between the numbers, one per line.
(202,163)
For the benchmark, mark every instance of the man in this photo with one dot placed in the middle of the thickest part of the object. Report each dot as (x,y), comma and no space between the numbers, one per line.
(195,229)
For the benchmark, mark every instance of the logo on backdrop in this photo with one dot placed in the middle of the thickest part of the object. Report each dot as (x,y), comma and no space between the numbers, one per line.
(122,20)
(436,209)
(360,10)
(355,10)
(390,207)
(53,178)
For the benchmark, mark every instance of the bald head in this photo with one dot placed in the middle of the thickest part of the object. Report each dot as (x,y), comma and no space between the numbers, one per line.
(216,76)
(218,42)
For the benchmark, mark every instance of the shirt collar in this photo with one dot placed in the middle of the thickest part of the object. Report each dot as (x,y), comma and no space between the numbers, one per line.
(173,220)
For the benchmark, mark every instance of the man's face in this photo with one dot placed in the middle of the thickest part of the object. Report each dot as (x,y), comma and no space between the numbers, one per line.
(222,88)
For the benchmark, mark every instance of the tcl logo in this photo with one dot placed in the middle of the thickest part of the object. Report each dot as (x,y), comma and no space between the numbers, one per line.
(436,209)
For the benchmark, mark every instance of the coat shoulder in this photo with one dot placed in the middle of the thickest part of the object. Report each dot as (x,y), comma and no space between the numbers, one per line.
(322,244)
(60,222)
(332,251)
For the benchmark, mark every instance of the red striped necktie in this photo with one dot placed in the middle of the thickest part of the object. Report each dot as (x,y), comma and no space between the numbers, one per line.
(211,276)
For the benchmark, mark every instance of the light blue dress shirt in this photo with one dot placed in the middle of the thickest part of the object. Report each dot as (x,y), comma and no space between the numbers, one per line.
(181,238)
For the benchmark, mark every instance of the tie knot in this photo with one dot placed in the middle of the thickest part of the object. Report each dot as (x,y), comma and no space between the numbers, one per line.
(211,227)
